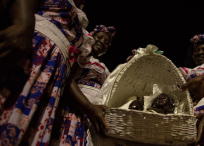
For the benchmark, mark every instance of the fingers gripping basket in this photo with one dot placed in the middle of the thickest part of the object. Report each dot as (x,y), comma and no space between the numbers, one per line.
(136,78)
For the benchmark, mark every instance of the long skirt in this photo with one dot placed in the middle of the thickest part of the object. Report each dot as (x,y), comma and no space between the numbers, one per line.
(29,95)
(72,127)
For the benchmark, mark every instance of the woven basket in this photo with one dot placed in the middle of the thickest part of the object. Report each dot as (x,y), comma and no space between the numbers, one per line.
(137,79)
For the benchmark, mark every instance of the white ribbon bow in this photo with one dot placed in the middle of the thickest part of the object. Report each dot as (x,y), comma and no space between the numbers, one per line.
(150,49)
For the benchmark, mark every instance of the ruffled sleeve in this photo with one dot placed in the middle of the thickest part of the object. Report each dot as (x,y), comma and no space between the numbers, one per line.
(85,47)
(184,71)
(191,73)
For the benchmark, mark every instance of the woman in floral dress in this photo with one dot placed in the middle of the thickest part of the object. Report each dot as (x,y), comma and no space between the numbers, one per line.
(34,72)
(194,75)
(90,75)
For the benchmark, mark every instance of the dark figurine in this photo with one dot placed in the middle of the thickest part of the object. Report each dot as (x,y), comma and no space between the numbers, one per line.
(161,104)
(137,104)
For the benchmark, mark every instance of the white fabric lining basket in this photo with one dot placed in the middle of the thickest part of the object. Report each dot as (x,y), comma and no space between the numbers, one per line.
(136,78)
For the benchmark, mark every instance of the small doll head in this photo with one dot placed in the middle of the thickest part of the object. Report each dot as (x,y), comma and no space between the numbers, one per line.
(164,102)
(137,104)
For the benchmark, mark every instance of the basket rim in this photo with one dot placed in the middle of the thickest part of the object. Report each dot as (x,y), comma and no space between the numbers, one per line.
(177,72)
(151,113)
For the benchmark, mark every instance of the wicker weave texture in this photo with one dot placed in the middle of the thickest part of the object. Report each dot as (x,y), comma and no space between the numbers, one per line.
(151,128)
(137,79)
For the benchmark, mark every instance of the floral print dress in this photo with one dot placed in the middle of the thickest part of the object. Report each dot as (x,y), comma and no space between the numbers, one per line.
(30,91)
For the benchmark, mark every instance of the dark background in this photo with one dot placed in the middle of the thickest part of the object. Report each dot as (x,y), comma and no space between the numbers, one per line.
(168,24)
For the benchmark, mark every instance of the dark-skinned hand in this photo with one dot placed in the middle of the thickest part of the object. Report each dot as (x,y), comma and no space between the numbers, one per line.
(195,86)
(96,115)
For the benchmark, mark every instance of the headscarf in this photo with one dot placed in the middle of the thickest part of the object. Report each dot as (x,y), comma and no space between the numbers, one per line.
(101,28)
(196,39)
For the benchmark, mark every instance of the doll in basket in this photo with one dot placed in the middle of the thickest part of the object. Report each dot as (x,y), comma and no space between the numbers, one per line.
(161,104)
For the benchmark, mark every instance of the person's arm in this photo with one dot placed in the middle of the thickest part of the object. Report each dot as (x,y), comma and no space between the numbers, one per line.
(82,102)
(195,86)
(16,38)
(94,112)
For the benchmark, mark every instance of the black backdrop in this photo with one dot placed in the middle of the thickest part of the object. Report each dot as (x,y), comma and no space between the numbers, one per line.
(168,24)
